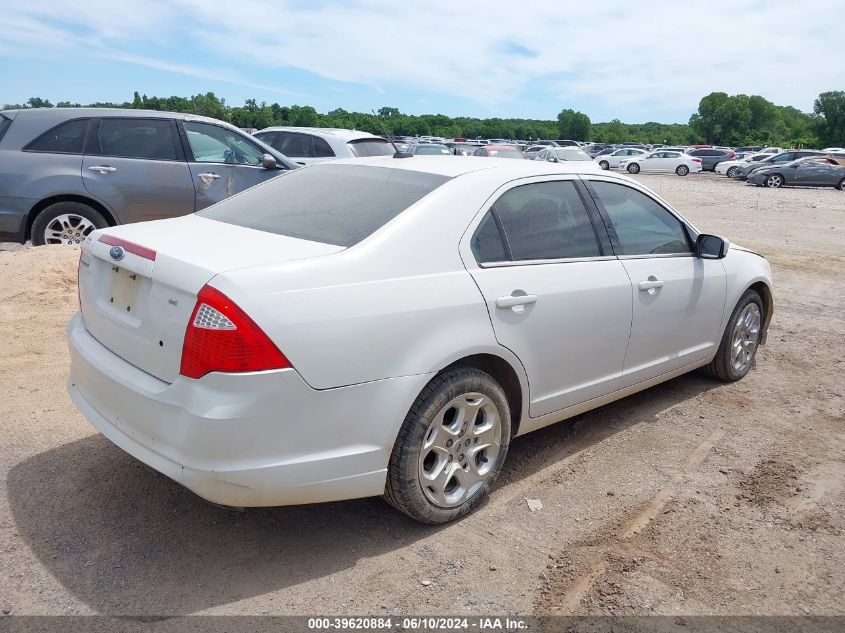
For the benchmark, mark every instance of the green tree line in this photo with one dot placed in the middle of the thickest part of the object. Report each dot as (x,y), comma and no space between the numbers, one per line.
(721,119)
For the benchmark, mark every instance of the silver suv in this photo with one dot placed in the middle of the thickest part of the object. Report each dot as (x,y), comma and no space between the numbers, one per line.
(67,171)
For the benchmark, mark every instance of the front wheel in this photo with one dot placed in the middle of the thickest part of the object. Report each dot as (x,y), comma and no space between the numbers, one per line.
(738,347)
(731,172)
(604,165)
(633,168)
(450,448)
(66,223)
(774,181)
(682,170)
(841,185)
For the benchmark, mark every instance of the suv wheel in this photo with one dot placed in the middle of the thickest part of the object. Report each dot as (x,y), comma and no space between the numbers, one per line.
(66,223)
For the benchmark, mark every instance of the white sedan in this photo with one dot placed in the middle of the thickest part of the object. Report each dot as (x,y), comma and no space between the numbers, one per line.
(386,326)
(730,168)
(662,162)
(612,160)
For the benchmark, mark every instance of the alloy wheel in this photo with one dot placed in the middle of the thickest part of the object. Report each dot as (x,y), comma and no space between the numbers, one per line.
(746,336)
(459,450)
(68,228)
(774,181)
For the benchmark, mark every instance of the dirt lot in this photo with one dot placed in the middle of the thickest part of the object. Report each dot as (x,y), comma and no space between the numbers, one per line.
(692,497)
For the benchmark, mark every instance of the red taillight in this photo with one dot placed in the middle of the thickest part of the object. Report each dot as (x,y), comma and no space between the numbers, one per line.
(696,160)
(221,337)
(732,155)
(129,247)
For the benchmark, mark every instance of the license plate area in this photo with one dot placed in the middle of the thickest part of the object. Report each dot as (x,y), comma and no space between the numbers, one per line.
(123,290)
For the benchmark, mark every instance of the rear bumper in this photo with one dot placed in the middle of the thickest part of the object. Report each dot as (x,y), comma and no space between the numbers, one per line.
(258,439)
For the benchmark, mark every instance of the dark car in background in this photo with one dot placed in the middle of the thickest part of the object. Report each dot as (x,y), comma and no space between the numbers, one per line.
(811,171)
(65,172)
(710,157)
(775,159)
(429,149)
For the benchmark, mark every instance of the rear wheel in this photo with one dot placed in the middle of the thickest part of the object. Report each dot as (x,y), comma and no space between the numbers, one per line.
(66,223)
(604,164)
(633,168)
(731,172)
(841,185)
(774,181)
(682,170)
(739,341)
(450,448)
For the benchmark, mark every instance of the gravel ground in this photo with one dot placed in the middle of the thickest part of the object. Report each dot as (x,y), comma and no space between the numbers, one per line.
(693,497)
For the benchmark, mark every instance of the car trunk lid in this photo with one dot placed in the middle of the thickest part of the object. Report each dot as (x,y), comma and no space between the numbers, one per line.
(138,283)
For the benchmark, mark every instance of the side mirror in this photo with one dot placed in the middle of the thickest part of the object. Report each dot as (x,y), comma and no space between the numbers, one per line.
(711,246)
(268,162)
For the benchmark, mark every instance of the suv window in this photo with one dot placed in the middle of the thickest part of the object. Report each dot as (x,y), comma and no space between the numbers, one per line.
(545,220)
(5,124)
(638,224)
(321,148)
(295,144)
(371,147)
(353,202)
(487,243)
(266,137)
(66,138)
(214,144)
(137,138)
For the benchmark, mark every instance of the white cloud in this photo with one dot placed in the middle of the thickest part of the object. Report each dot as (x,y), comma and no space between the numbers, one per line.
(620,57)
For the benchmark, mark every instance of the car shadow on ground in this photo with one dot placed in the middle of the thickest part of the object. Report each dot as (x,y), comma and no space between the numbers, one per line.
(126,540)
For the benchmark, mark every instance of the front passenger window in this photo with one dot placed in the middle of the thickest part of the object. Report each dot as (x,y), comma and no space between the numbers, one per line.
(638,224)
(215,144)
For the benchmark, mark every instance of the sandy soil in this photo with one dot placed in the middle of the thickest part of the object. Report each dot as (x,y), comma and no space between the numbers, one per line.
(693,497)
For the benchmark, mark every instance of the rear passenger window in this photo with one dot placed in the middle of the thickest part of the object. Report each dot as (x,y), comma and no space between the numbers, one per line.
(487,244)
(545,220)
(638,224)
(321,148)
(66,138)
(295,145)
(151,139)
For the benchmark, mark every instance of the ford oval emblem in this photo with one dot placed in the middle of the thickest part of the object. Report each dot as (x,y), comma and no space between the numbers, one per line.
(117,253)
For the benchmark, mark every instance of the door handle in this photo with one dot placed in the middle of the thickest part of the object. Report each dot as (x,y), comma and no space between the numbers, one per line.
(103,169)
(650,284)
(515,300)
(208,177)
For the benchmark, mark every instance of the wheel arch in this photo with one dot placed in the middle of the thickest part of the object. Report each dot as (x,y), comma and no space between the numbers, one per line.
(762,289)
(46,202)
(504,373)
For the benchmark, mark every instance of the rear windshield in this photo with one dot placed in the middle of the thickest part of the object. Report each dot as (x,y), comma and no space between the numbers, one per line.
(572,154)
(505,153)
(371,147)
(333,204)
(5,123)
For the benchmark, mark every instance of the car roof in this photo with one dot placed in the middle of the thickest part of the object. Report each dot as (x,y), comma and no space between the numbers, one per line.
(74,113)
(454,166)
(341,133)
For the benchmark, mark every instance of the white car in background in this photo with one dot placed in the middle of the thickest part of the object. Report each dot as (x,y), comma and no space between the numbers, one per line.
(310,145)
(565,154)
(612,160)
(386,327)
(662,162)
(730,168)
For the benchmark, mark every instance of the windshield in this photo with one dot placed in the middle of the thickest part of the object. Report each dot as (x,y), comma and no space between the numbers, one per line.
(505,153)
(371,147)
(432,149)
(333,204)
(571,154)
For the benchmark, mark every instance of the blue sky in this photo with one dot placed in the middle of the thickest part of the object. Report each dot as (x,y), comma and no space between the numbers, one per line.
(633,61)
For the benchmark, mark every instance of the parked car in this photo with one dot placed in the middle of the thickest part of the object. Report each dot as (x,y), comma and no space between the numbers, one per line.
(596,148)
(564,153)
(612,160)
(65,172)
(232,371)
(775,159)
(499,151)
(310,145)
(712,157)
(429,149)
(812,171)
(532,150)
(662,161)
(730,168)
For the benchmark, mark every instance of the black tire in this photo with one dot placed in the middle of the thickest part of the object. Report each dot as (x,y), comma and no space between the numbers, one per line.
(841,185)
(83,220)
(403,489)
(774,181)
(721,367)
(604,165)
(731,173)
(682,170)
(633,168)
